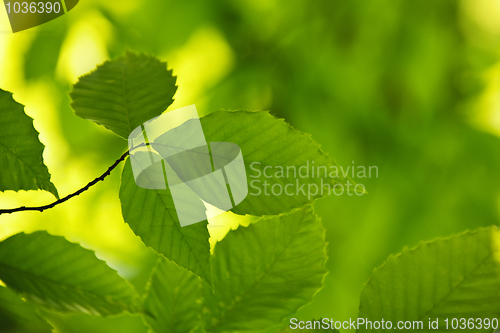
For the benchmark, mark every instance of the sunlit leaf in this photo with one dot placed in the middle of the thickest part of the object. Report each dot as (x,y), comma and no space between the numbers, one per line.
(123,93)
(268,146)
(21,152)
(265,272)
(54,273)
(264,139)
(172,299)
(285,169)
(151,215)
(457,277)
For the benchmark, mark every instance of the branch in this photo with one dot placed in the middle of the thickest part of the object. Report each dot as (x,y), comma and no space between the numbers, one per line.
(69,196)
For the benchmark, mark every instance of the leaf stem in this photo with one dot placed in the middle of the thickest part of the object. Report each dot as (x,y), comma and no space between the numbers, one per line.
(69,196)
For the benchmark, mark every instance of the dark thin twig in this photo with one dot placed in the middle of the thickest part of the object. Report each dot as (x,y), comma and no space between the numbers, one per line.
(69,196)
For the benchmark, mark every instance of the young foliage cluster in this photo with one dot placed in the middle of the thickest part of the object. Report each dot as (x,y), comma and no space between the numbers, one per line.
(258,276)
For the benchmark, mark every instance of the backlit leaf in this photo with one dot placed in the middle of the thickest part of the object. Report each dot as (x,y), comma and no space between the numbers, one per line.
(457,277)
(151,215)
(123,93)
(54,273)
(265,272)
(21,152)
(172,299)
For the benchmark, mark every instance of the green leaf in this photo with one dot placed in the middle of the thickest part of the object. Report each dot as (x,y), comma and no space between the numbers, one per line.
(268,142)
(262,138)
(172,299)
(123,93)
(151,215)
(54,273)
(457,277)
(265,272)
(18,316)
(21,152)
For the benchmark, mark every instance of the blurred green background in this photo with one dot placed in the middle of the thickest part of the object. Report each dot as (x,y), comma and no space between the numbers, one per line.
(412,87)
